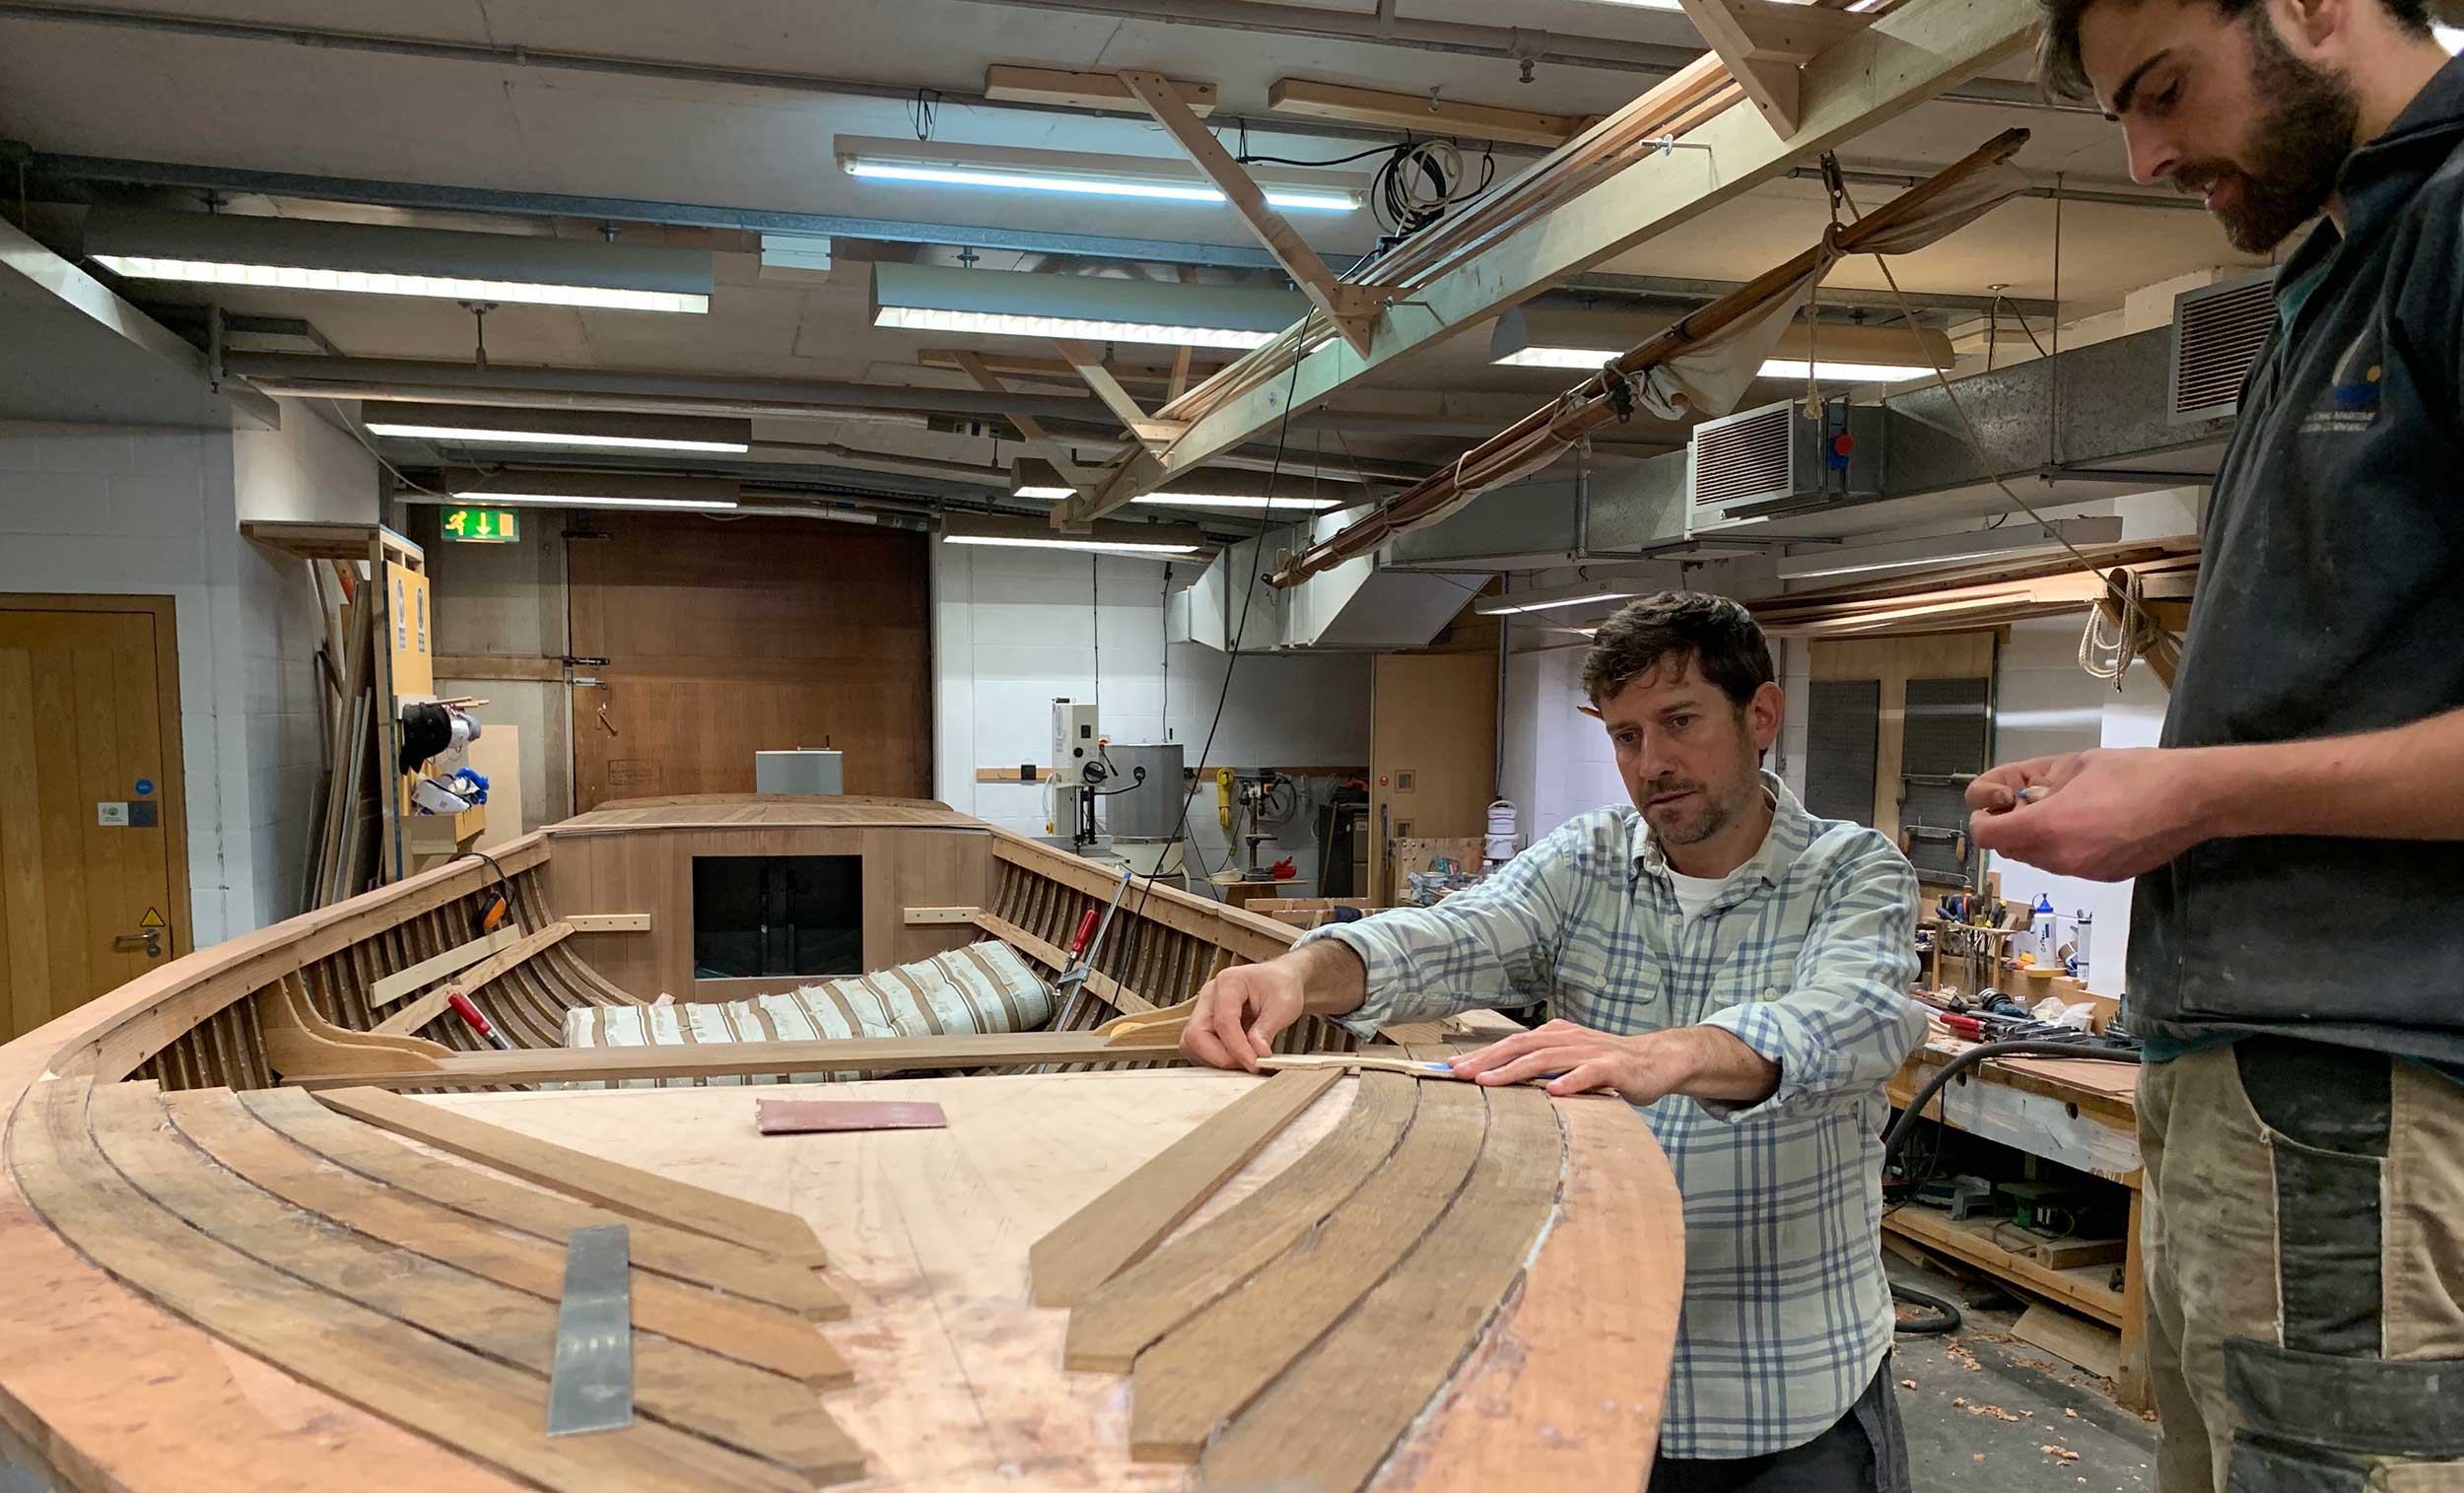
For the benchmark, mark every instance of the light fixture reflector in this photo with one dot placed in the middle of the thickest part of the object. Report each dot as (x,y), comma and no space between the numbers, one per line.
(1086,308)
(1089,546)
(1149,178)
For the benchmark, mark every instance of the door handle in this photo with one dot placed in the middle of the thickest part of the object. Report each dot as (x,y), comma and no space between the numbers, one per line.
(151,940)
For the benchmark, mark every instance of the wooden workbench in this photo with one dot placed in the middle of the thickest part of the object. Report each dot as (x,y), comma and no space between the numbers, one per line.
(2078,1112)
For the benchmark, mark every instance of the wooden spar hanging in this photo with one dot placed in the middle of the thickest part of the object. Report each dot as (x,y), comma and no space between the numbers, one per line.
(1537,437)
(1910,55)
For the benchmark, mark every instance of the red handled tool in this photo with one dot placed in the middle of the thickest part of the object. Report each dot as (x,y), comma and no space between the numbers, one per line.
(471,1018)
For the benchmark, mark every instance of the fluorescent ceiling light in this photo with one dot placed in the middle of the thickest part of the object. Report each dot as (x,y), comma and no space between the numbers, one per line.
(310,255)
(2012,542)
(555,488)
(591,501)
(1143,178)
(1501,609)
(466,435)
(1543,337)
(1087,308)
(492,425)
(2451,38)
(1218,489)
(1090,546)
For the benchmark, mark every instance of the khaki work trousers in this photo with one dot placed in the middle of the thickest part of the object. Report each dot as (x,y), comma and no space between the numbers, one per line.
(2304,1218)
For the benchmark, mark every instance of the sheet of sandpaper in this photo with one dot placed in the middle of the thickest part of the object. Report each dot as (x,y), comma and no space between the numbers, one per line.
(796,1116)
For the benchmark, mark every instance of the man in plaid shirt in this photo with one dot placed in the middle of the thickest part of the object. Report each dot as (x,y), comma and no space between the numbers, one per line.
(1735,969)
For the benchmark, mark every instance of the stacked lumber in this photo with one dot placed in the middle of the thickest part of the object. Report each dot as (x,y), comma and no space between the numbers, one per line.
(343,850)
(1982,596)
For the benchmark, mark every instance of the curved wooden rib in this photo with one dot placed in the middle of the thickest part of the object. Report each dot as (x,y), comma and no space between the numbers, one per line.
(1397,1349)
(1116,1322)
(763,1338)
(632,1192)
(695,1258)
(1566,1392)
(1204,1372)
(685,1387)
(1134,1216)
(481,1408)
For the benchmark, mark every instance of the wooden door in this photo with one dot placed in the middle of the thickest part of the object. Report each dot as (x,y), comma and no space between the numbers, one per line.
(93,820)
(723,638)
(1432,749)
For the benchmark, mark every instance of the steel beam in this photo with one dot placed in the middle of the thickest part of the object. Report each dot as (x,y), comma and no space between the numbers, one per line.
(1901,61)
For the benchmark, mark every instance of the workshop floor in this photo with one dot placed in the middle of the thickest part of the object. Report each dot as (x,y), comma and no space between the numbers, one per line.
(1984,1409)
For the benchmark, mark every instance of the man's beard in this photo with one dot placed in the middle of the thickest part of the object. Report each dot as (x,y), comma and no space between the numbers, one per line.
(2298,146)
(1690,820)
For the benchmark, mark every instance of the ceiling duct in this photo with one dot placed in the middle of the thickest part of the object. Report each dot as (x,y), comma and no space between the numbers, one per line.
(1360,605)
(2219,331)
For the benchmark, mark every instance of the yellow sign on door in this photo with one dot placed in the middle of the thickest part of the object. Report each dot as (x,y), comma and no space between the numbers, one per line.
(152,920)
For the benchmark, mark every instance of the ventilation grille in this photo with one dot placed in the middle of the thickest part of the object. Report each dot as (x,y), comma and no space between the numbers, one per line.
(1746,458)
(2218,333)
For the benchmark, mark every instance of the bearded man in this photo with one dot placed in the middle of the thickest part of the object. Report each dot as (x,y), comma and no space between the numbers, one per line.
(2301,1114)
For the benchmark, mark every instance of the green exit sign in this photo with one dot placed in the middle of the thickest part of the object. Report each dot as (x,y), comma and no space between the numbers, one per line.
(482,525)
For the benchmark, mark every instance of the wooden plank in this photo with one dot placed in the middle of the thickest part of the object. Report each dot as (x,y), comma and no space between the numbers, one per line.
(1971,1242)
(610,923)
(1088,360)
(888,1055)
(1422,113)
(1057,960)
(2091,1346)
(1790,34)
(2066,1254)
(1102,91)
(1349,307)
(402,982)
(934,917)
(1031,430)
(633,1192)
(481,1408)
(1386,1361)
(429,1006)
(1247,936)
(2129,1375)
(1206,1370)
(724,1401)
(1115,1322)
(680,1253)
(764,1337)
(1118,1229)
(1598,1308)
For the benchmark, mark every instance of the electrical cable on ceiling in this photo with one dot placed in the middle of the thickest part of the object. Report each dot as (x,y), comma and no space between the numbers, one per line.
(1232,659)
(1415,184)
(923,110)
(2134,612)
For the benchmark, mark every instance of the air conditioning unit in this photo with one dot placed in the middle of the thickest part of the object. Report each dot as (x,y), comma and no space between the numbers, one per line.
(1777,460)
(2219,332)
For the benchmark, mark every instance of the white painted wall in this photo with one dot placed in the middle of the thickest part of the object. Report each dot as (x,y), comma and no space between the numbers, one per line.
(112,510)
(1016,629)
(1559,761)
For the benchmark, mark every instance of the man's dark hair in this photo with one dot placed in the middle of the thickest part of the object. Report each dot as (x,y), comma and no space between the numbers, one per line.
(1719,638)
(2066,76)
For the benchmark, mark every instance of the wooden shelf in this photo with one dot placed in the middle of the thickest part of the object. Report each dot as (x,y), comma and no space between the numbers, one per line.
(2081,1288)
(332,541)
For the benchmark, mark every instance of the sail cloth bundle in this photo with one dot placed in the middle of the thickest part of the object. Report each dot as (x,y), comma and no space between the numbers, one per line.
(983,988)
(1702,364)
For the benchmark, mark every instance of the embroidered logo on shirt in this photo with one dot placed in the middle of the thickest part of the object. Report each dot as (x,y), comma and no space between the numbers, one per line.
(2352,399)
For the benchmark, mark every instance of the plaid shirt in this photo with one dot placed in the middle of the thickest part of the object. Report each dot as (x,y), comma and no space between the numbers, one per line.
(1807,956)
